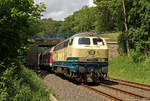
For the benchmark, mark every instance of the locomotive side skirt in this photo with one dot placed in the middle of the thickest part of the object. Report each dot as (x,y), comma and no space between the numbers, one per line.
(75,65)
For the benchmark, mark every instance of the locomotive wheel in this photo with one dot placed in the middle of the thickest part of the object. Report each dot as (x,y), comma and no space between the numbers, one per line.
(79,79)
(85,78)
(95,77)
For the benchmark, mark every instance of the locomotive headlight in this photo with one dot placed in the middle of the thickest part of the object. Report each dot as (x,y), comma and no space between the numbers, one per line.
(104,70)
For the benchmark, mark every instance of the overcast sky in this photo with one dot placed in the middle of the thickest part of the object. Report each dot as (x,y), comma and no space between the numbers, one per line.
(60,9)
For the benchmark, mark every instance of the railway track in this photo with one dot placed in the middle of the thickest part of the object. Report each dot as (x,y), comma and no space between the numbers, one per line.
(126,92)
(118,90)
(109,91)
(102,93)
(129,82)
(129,85)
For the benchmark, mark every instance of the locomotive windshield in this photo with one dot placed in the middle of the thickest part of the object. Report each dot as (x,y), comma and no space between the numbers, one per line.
(98,41)
(84,41)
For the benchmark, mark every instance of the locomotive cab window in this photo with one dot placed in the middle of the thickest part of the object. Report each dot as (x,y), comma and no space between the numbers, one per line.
(84,41)
(66,43)
(70,42)
(98,41)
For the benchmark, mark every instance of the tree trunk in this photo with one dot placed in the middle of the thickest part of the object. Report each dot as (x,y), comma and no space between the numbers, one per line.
(126,28)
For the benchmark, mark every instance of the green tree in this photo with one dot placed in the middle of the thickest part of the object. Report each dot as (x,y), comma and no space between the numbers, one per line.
(138,20)
(67,25)
(49,26)
(84,19)
(18,23)
(118,15)
(81,21)
(105,18)
(139,26)
(16,20)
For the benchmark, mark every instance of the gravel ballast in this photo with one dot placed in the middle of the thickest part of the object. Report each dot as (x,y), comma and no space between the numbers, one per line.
(69,91)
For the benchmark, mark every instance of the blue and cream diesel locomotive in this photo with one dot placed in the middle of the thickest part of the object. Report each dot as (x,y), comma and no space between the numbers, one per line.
(83,57)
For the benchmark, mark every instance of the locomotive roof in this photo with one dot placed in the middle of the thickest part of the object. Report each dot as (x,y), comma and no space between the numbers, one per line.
(86,34)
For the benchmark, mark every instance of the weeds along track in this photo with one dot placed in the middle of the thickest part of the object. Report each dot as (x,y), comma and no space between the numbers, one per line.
(132,84)
(102,93)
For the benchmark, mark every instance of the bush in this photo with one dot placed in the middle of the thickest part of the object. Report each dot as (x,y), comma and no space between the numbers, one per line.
(137,56)
(21,84)
(136,47)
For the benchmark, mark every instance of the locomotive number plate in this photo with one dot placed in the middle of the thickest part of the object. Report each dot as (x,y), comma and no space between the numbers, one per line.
(92,52)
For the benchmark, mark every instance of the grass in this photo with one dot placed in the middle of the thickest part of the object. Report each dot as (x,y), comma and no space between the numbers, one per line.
(123,67)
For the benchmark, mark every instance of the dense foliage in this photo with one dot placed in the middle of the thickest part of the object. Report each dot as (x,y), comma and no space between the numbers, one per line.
(20,84)
(139,24)
(49,26)
(17,18)
(18,23)
(105,15)
(81,21)
(138,19)
(99,19)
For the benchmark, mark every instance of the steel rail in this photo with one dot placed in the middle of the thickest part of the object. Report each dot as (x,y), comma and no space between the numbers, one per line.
(102,93)
(131,85)
(126,92)
(140,84)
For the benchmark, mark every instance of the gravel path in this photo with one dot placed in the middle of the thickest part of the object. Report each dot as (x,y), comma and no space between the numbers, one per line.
(68,91)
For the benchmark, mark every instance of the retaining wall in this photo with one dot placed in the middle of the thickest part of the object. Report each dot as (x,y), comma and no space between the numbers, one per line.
(113,49)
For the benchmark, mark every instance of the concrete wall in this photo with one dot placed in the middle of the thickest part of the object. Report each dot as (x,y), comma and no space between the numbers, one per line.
(113,49)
